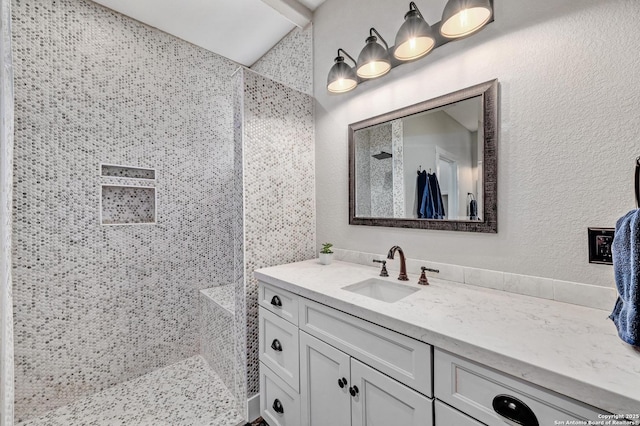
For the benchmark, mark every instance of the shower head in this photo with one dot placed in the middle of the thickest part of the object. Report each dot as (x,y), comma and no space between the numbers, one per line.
(383,155)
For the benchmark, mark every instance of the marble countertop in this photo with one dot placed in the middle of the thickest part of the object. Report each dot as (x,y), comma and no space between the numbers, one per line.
(570,349)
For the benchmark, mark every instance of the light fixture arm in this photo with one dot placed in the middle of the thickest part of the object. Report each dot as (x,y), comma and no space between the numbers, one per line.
(373,30)
(412,6)
(347,55)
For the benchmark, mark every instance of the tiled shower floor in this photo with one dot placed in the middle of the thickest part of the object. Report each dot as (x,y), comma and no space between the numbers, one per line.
(185,393)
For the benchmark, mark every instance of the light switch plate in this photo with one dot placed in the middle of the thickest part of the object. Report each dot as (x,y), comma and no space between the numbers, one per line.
(600,242)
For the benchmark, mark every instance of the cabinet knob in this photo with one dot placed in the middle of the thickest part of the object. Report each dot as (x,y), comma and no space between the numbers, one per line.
(277,406)
(275,301)
(276,346)
(354,391)
(514,410)
(342,382)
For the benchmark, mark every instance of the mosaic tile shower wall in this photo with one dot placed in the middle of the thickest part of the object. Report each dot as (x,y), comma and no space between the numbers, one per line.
(290,62)
(397,142)
(381,171)
(374,196)
(97,305)
(6,196)
(278,189)
(363,171)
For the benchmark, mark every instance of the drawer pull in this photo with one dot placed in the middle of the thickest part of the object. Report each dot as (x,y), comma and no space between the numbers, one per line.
(277,406)
(342,382)
(275,301)
(354,391)
(276,346)
(514,410)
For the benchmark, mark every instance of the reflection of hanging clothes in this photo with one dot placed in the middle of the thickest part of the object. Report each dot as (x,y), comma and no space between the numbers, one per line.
(432,206)
(421,184)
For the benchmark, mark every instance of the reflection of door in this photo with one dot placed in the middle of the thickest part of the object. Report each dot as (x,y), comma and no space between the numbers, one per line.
(447,172)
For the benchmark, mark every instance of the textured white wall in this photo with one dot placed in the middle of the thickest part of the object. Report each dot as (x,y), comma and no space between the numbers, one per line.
(569,128)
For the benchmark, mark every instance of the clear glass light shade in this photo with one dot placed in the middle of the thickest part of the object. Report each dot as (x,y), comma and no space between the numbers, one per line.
(342,77)
(414,39)
(373,60)
(463,17)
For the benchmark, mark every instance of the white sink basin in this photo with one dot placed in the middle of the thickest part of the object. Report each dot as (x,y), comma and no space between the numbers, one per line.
(381,290)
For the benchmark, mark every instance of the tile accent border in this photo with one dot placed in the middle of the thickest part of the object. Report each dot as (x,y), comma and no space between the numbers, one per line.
(591,296)
(6,197)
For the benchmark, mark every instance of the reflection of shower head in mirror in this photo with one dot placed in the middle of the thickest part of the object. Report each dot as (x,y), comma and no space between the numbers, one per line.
(383,155)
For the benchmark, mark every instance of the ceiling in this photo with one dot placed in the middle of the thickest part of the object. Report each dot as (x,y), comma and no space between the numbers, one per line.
(241,30)
(467,113)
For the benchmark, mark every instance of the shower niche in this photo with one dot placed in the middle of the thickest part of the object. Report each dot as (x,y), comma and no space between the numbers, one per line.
(133,203)
(127,172)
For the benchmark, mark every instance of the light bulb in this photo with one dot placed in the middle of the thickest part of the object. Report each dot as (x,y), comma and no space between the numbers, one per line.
(464,18)
(461,21)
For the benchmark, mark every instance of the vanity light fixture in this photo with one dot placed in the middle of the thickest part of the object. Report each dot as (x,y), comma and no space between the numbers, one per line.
(464,17)
(415,37)
(414,40)
(373,61)
(342,77)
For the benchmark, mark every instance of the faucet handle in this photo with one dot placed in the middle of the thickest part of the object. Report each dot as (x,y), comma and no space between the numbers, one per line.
(423,277)
(383,271)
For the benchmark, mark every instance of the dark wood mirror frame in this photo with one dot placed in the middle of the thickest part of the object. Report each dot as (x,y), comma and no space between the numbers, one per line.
(489,93)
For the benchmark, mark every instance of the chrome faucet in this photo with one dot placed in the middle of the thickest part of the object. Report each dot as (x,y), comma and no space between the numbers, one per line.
(403,264)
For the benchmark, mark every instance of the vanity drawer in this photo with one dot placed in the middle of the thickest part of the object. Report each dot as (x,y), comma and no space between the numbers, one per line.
(280,302)
(472,389)
(279,347)
(279,404)
(405,359)
(447,416)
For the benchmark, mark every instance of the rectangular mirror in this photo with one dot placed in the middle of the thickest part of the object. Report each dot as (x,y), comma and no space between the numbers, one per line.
(432,165)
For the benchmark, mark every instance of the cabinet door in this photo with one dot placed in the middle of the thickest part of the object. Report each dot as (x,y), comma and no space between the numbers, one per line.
(323,400)
(447,416)
(380,400)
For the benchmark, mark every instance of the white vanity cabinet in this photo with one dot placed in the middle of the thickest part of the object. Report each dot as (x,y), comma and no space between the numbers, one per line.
(320,366)
(279,356)
(345,371)
(324,383)
(359,396)
(447,416)
(495,398)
